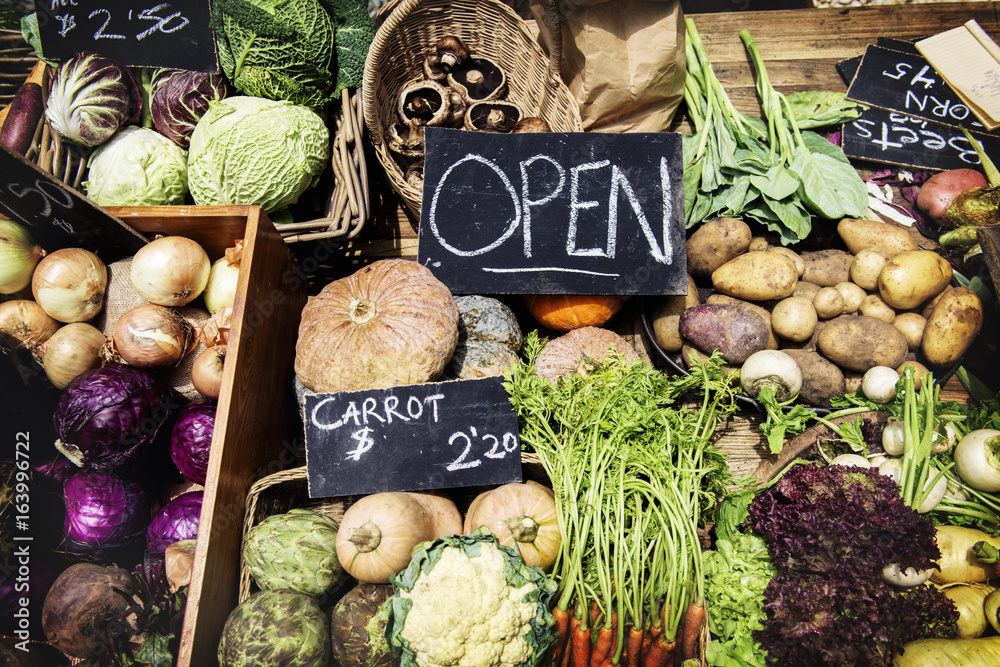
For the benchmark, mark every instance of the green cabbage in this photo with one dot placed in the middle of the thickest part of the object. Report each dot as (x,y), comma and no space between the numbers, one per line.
(256,151)
(137,167)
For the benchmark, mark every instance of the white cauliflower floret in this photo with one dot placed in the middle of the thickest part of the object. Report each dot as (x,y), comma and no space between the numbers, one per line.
(465,614)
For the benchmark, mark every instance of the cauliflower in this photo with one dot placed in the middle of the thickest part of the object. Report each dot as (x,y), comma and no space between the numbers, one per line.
(466,600)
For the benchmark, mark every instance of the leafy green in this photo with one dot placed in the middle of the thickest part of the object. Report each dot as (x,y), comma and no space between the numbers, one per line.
(814,108)
(767,170)
(292,49)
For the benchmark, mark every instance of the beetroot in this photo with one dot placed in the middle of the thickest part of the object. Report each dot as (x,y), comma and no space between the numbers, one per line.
(84,614)
(938,191)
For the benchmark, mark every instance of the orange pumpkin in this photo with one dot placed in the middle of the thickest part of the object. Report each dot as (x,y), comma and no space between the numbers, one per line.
(521,515)
(565,312)
(579,351)
(389,323)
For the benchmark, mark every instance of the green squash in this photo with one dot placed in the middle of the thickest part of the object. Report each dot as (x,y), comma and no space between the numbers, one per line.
(489,338)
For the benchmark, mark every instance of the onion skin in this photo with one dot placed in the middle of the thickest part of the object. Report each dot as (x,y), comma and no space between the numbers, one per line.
(206,373)
(152,336)
(69,284)
(73,349)
(24,321)
(170,271)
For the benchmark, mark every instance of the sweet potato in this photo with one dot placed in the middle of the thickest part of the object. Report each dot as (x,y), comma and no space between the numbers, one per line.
(22,118)
(735,331)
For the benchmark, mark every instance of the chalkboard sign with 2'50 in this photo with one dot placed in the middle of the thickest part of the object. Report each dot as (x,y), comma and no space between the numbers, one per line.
(554,212)
(174,34)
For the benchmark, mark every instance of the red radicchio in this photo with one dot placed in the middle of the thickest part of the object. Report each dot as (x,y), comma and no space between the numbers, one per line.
(179,98)
(191,440)
(175,521)
(108,417)
(103,511)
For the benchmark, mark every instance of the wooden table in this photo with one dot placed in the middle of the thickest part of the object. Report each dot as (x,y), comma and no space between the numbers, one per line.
(801,48)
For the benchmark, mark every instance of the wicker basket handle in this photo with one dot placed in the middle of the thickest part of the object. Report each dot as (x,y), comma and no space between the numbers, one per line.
(555,35)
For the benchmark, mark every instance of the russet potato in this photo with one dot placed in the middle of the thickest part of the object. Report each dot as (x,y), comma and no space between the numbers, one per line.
(859,342)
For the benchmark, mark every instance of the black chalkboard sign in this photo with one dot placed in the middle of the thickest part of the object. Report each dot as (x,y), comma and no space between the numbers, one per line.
(58,216)
(554,212)
(174,33)
(905,82)
(435,435)
(895,138)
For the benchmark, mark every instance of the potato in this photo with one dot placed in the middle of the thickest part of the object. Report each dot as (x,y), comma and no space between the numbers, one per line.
(821,379)
(759,243)
(858,343)
(852,381)
(919,370)
(875,306)
(714,243)
(853,296)
(772,339)
(756,276)
(806,289)
(938,191)
(928,307)
(912,277)
(800,264)
(794,318)
(828,302)
(867,266)
(912,327)
(666,316)
(860,234)
(826,268)
(952,327)
(735,331)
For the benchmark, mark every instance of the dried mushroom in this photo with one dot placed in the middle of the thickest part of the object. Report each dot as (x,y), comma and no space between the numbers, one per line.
(531,124)
(407,140)
(423,102)
(479,79)
(492,116)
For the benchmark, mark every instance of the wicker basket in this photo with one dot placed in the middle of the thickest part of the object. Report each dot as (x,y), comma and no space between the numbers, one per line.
(281,491)
(410,28)
(16,61)
(348,204)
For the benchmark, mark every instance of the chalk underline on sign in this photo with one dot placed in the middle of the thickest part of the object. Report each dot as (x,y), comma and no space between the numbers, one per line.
(536,269)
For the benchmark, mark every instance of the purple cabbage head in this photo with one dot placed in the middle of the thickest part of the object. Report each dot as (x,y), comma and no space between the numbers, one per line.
(91,97)
(108,417)
(103,511)
(191,440)
(179,98)
(175,521)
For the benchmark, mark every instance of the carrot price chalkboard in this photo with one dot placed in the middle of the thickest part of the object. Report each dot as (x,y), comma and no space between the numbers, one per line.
(58,216)
(176,34)
(554,212)
(435,435)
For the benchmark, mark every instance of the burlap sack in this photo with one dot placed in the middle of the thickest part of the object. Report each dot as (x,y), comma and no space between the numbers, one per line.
(623,60)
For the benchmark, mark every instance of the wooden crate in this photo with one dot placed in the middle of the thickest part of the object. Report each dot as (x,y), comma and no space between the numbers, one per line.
(252,437)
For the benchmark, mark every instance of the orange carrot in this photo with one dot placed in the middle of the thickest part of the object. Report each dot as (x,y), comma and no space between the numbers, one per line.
(605,640)
(651,634)
(562,633)
(694,618)
(633,646)
(579,643)
(661,652)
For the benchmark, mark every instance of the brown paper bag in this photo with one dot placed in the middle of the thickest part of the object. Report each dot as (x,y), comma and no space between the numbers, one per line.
(623,60)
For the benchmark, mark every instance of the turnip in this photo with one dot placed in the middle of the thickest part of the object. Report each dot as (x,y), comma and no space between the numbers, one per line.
(935,486)
(894,574)
(774,369)
(977,459)
(855,460)
(892,438)
(879,383)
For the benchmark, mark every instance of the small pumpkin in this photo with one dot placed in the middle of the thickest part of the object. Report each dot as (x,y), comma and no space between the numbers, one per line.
(580,351)
(489,338)
(565,312)
(388,324)
(379,531)
(521,515)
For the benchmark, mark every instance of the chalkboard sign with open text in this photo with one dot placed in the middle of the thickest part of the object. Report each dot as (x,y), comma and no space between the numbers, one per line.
(58,216)
(174,33)
(554,212)
(436,435)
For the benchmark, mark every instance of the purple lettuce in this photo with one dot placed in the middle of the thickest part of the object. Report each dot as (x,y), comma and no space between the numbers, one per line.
(179,98)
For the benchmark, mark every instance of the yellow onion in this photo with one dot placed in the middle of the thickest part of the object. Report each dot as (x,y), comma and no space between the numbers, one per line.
(152,336)
(18,257)
(26,322)
(75,348)
(220,292)
(206,372)
(170,271)
(69,284)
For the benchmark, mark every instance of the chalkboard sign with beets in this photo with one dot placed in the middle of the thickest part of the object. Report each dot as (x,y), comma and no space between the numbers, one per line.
(58,216)
(174,34)
(436,435)
(554,212)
